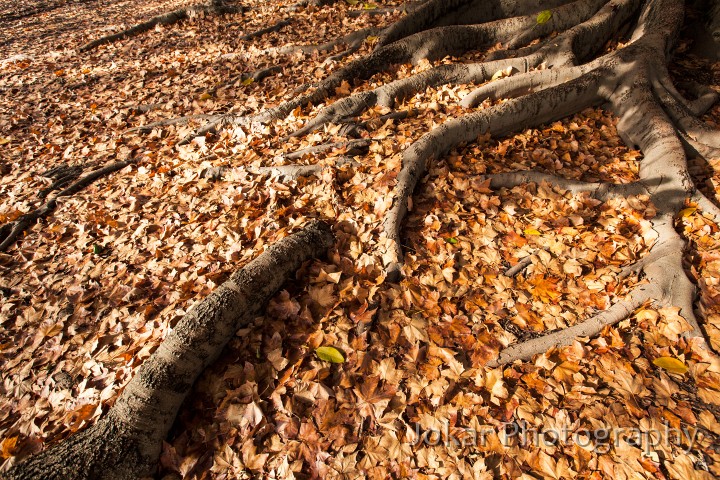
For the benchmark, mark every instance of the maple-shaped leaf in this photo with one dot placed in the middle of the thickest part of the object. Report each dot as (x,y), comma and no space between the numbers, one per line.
(373,399)
(7,447)
(544,288)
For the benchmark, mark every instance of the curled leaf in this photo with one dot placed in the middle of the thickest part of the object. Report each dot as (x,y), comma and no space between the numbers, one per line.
(329,354)
(672,365)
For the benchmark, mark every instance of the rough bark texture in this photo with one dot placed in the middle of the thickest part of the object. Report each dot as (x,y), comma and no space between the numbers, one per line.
(125,444)
(556,77)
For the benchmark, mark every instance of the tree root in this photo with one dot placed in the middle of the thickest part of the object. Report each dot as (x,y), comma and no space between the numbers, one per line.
(598,190)
(170,18)
(171,121)
(408,7)
(264,31)
(62,176)
(665,288)
(290,172)
(681,113)
(435,13)
(126,442)
(12,233)
(429,44)
(593,32)
(533,109)
(588,328)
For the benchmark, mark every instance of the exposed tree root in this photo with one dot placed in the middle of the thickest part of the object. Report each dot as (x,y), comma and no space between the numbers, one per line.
(408,7)
(125,444)
(588,328)
(530,110)
(554,78)
(171,121)
(290,172)
(350,146)
(599,190)
(214,8)
(436,13)
(520,266)
(9,233)
(62,176)
(588,35)
(351,39)
(429,44)
(264,31)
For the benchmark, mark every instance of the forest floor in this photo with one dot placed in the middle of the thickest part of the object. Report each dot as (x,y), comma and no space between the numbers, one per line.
(89,292)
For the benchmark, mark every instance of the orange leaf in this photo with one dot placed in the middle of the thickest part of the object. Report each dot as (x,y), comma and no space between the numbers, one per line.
(7,447)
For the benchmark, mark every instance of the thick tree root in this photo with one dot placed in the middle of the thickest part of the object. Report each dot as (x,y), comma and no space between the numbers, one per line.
(430,44)
(530,110)
(588,328)
(165,19)
(435,13)
(125,444)
(599,190)
(172,121)
(289,172)
(588,35)
(408,7)
(13,232)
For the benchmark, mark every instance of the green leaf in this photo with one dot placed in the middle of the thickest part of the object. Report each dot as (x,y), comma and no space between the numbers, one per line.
(672,365)
(329,354)
(248,81)
(97,249)
(452,240)
(544,16)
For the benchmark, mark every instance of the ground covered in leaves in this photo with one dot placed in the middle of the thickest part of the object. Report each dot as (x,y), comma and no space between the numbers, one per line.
(90,292)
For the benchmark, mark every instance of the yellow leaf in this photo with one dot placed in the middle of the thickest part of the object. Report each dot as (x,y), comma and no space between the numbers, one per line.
(371,39)
(205,96)
(352,2)
(531,231)
(329,354)
(248,81)
(688,211)
(3,141)
(7,447)
(369,6)
(672,365)
(544,16)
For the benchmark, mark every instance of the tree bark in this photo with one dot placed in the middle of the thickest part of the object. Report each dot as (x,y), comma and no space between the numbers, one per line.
(125,444)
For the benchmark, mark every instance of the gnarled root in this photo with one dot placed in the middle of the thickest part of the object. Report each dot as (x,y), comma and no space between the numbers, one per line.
(9,233)
(214,8)
(125,444)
